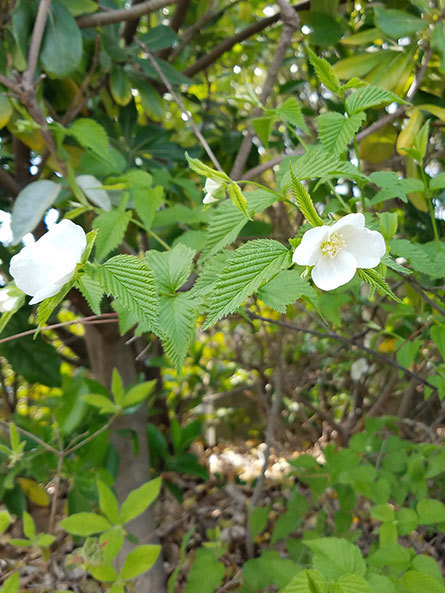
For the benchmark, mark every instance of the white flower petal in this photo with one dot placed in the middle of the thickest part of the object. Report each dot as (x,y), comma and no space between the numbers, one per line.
(211,186)
(45,292)
(308,252)
(209,199)
(331,272)
(368,248)
(42,268)
(356,221)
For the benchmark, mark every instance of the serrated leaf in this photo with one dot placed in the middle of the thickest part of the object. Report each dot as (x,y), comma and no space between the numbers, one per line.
(85,524)
(417,582)
(227,221)
(334,556)
(92,291)
(91,136)
(291,112)
(304,202)
(393,187)
(111,227)
(139,560)
(285,289)
(374,279)
(370,96)
(388,224)
(388,261)
(307,581)
(198,167)
(177,320)
(336,131)
(263,127)
(237,197)
(250,266)
(171,268)
(324,71)
(130,280)
(419,258)
(431,511)
(140,499)
(147,203)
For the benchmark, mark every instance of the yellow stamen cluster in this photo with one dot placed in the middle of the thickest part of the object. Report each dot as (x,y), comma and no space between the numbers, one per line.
(332,246)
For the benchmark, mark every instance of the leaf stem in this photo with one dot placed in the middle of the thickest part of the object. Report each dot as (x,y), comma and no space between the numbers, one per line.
(152,234)
(429,200)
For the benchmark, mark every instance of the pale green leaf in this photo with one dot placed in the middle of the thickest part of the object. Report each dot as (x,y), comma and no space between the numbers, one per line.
(438,42)
(100,401)
(427,565)
(171,268)
(285,289)
(91,136)
(250,266)
(324,71)
(5,520)
(85,524)
(198,167)
(333,557)
(290,111)
(129,279)
(418,582)
(376,281)
(108,502)
(237,197)
(30,206)
(388,224)
(206,574)
(138,393)
(393,187)
(304,202)
(92,291)
(117,386)
(140,499)
(336,131)
(438,182)
(11,585)
(29,528)
(14,437)
(139,560)
(431,511)
(370,96)
(105,573)
(351,583)
(301,583)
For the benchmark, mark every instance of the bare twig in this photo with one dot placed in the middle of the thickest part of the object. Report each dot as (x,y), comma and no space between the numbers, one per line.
(291,24)
(178,100)
(36,41)
(98,19)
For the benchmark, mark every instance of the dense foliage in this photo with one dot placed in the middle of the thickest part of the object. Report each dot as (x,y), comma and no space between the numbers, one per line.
(252,212)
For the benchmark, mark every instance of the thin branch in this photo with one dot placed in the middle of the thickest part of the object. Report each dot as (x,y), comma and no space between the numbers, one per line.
(31,436)
(36,41)
(345,340)
(8,183)
(98,19)
(291,25)
(425,297)
(7,82)
(176,22)
(178,100)
(193,30)
(91,437)
(263,167)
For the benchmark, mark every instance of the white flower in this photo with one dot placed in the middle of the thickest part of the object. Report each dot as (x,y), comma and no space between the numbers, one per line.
(359,368)
(210,188)
(42,268)
(8,300)
(337,251)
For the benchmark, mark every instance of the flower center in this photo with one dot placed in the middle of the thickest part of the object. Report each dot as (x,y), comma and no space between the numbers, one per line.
(332,246)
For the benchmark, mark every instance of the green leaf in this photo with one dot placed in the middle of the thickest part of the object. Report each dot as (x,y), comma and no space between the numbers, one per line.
(407,521)
(30,206)
(78,7)
(263,127)
(307,581)
(103,572)
(393,187)
(290,111)
(304,202)
(112,541)
(198,167)
(44,540)
(375,280)
(173,76)
(438,42)
(171,268)
(47,306)
(370,96)
(237,197)
(383,512)
(120,86)
(324,71)
(129,279)
(111,227)
(61,50)
(250,266)
(333,557)
(91,136)
(146,204)
(14,437)
(5,520)
(92,291)
(159,37)
(388,224)
(437,333)
(100,401)
(137,394)
(397,23)
(85,524)
(418,582)
(107,502)
(29,528)
(437,182)
(336,131)
(140,499)
(418,257)
(258,520)
(285,289)
(206,574)
(92,188)
(139,560)
(421,141)
(177,320)
(431,511)
(427,565)
(11,585)
(117,386)
(351,583)
(393,556)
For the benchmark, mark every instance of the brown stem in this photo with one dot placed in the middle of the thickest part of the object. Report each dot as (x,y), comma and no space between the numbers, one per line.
(98,19)
(175,23)
(193,30)
(9,183)
(36,41)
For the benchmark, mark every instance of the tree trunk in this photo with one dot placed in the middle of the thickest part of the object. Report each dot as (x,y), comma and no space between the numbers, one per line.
(107,350)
